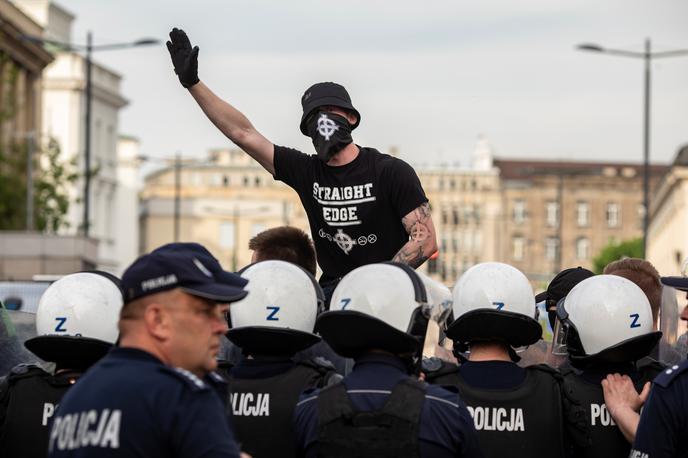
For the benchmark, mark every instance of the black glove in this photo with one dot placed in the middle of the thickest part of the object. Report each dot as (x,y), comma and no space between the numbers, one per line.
(184,58)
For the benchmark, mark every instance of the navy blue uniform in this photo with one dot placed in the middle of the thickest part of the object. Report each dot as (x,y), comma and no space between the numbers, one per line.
(130,404)
(663,428)
(446,428)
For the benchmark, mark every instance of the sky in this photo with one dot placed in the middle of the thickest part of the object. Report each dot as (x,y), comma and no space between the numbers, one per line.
(427,77)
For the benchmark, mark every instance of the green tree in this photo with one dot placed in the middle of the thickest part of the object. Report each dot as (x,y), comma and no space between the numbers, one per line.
(51,176)
(615,251)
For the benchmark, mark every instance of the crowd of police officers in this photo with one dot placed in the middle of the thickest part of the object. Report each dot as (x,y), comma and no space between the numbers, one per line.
(135,371)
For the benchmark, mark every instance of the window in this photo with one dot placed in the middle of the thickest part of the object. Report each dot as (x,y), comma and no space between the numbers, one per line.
(582,248)
(445,216)
(246,181)
(455,243)
(518,245)
(519,215)
(225,181)
(227,235)
(551,248)
(455,217)
(613,215)
(552,214)
(582,214)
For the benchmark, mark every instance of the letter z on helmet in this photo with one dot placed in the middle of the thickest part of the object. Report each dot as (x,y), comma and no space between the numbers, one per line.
(76,320)
(494,301)
(605,318)
(376,306)
(278,314)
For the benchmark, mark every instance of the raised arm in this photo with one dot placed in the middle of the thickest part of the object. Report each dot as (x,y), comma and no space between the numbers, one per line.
(422,238)
(228,119)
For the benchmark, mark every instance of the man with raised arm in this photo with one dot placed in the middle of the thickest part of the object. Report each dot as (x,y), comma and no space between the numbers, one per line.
(363,206)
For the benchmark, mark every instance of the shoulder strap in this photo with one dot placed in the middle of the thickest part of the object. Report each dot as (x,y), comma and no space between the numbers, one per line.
(188,378)
(667,377)
(25,370)
(434,368)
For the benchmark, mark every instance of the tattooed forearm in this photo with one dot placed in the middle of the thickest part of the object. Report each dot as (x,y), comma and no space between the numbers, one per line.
(411,256)
(422,242)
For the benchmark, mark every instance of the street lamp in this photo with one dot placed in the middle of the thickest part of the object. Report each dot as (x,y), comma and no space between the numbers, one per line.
(647,56)
(89,48)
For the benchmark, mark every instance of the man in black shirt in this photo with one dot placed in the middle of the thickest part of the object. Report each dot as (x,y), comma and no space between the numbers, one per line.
(363,206)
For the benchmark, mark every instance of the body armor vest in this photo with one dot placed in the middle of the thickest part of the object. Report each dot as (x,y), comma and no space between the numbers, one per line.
(263,408)
(607,440)
(526,421)
(28,402)
(391,432)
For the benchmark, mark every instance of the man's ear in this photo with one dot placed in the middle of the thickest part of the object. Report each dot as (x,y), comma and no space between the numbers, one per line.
(157,320)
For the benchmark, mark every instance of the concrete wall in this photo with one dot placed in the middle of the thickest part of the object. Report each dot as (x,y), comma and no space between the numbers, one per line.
(26,254)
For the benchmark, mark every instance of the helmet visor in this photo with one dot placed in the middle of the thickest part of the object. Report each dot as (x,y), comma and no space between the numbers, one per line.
(561,331)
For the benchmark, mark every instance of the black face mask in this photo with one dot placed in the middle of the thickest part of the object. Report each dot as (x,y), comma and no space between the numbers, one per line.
(330,134)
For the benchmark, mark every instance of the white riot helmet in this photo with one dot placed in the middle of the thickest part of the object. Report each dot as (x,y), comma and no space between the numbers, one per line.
(376,306)
(76,320)
(278,314)
(494,301)
(605,318)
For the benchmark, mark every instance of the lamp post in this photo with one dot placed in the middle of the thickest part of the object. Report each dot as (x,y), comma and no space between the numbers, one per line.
(89,48)
(647,55)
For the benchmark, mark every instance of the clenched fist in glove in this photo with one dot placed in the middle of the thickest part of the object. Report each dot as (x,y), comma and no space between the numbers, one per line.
(184,58)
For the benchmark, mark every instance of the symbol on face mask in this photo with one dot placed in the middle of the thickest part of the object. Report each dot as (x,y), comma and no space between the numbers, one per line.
(326,127)
(344,241)
(362,240)
(372,238)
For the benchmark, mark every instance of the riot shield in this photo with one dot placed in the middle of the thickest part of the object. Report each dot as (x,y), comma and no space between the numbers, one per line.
(673,347)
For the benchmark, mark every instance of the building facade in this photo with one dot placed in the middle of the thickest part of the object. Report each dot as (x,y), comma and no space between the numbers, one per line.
(221,203)
(667,243)
(63,119)
(21,66)
(540,216)
(561,214)
(466,212)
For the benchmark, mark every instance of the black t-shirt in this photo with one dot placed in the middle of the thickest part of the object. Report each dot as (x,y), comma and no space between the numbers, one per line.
(354,210)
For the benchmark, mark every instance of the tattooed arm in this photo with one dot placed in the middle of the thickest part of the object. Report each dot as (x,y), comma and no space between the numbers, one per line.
(422,239)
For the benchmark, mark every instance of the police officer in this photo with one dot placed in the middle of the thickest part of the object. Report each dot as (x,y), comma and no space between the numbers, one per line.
(270,325)
(147,397)
(380,408)
(605,326)
(76,324)
(664,420)
(663,428)
(517,411)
